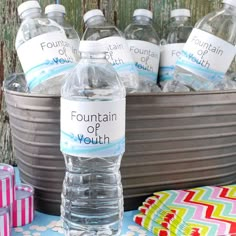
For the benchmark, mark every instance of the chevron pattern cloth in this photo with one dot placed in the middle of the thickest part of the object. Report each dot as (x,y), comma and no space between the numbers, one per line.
(202,211)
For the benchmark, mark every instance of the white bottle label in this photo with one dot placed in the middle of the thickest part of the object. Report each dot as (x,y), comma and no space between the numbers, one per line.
(44,57)
(206,55)
(170,53)
(119,56)
(146,56)
(93,129)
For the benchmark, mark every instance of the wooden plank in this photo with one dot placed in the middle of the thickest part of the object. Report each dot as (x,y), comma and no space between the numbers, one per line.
(118,12)
(162,8)
(8,63)
(126,9)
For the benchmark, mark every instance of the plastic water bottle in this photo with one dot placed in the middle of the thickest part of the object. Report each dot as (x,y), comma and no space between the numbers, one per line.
(144,44)
(93,142)
(97,28)
(178,33)
(16,82)
(43,50)
(57,13)
(209,53)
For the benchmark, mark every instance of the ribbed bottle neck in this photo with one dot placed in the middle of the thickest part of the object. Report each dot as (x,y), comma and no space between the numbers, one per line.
(57,16)
(31,13)
(95,20)
(180,19)
(142,20)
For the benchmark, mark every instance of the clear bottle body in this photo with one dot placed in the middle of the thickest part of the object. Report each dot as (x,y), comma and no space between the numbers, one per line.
(97,28)
(92,197)
(70,32)
(51,58)
(144,44)
(178,32)
(211,66)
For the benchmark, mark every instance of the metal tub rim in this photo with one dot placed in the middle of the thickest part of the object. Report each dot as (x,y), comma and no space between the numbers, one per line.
(162,94)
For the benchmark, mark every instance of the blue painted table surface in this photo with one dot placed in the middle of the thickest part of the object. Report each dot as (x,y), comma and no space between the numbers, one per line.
(49,225)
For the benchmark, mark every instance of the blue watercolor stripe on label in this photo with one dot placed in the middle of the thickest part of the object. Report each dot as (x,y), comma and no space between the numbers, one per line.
(164,78)
(148,75)
(72,138)
(50,74)
(198,69)
(128,67)
(115,148)
(166,73)
(112,151)
(167,67)
(37,68)
(208,74)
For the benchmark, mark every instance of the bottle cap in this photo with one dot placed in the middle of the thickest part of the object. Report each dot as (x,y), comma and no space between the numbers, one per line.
(6,185)
(23,206)
(92,46)
(27,5)
(230,2)
(55,8)
(143,12)
(92,13)
(180,12)
(5,228)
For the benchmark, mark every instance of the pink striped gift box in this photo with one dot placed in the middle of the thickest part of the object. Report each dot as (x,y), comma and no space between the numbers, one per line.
(5,229)
(7,182)
(10,169)
(23,206)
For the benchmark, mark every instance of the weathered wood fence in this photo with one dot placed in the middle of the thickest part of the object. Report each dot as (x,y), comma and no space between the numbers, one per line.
(118,12)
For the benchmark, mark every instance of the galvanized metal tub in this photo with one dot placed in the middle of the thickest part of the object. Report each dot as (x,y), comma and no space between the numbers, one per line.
(174,141)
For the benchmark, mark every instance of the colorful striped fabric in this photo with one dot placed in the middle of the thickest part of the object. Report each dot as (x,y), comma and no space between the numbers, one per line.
(203,211)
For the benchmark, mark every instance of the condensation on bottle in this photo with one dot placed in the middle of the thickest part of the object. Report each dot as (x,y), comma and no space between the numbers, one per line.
(57,12)
(43,50)
(93,143)
(207,60)
(118,54)
(144,44)
(179,30)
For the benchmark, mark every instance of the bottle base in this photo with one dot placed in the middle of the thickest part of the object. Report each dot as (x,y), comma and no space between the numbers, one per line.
(113,229)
